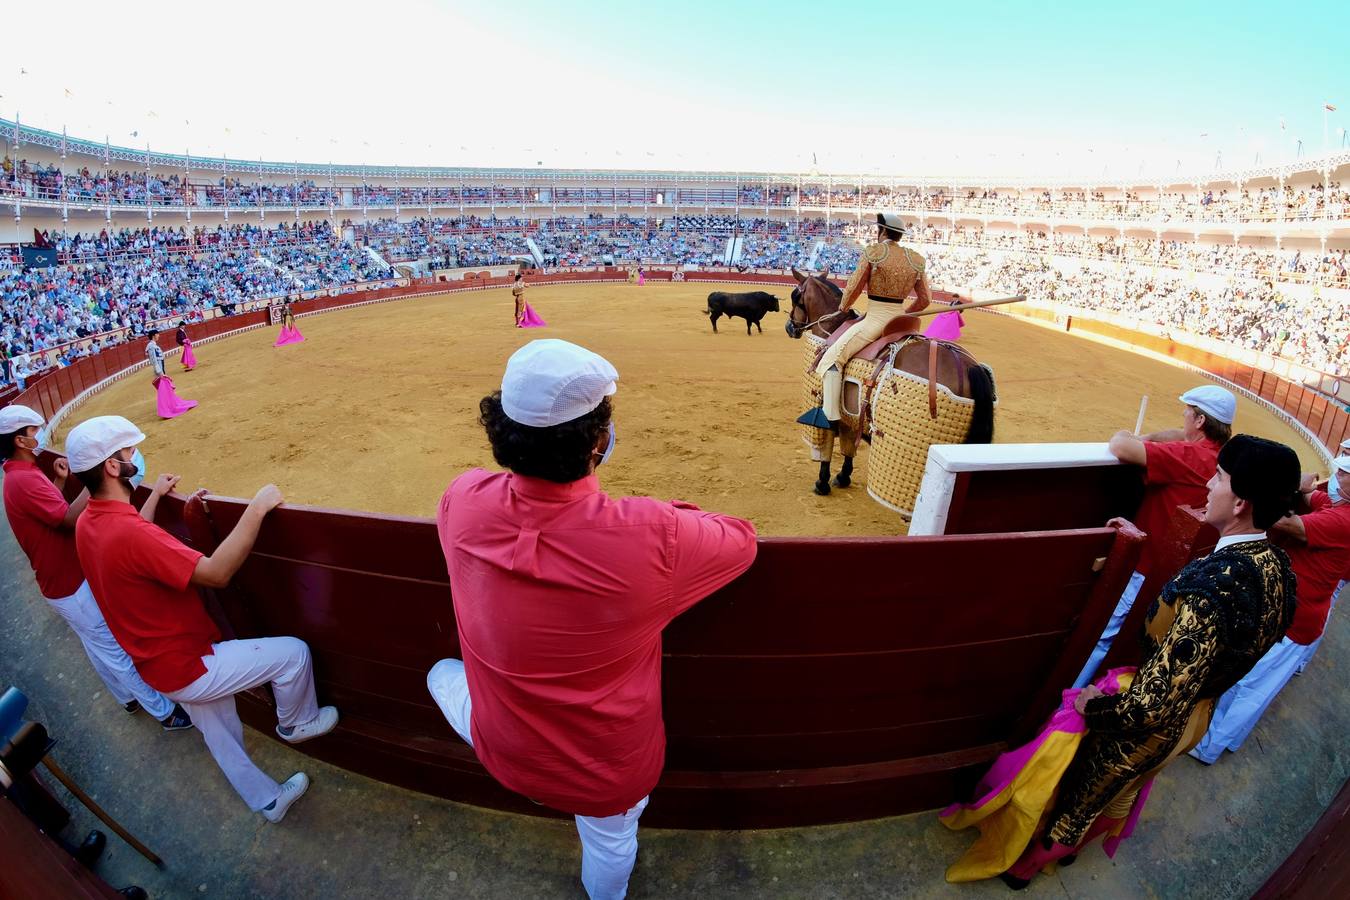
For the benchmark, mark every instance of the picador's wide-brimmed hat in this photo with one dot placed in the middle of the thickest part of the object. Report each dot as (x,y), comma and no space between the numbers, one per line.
(891,220)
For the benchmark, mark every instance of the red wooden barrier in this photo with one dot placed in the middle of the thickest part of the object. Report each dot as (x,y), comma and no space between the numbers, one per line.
(781,708)
(36,866)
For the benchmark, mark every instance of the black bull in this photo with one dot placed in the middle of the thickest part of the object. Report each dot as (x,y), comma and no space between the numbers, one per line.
(750,306)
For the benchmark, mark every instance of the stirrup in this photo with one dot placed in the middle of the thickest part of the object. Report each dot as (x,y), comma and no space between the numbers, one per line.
(815,417)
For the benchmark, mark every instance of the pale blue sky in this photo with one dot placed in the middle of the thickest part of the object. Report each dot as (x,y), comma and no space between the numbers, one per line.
(904,88)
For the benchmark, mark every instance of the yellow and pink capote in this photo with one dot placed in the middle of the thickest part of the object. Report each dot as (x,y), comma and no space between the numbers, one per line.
(1019,790)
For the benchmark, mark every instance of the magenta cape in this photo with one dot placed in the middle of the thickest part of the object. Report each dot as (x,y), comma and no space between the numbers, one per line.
(289,336)
(945,327)
(1019,789)
(530,319)
(168,403)
(189,358)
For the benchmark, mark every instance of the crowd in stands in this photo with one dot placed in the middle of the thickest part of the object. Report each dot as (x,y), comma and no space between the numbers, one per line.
(1330,267)
(117,280)
(121,242)
(1240,203)
(114,299)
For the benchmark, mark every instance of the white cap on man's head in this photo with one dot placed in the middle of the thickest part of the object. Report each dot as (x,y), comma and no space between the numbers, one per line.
(1341,464)
(95,440)
(548,382)
(15,417)
(1213,401)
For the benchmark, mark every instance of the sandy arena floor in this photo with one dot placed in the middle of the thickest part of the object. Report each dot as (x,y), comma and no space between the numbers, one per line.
(377,409)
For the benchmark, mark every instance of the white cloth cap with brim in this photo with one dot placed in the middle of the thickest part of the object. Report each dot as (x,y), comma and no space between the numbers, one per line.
(95,440)
(1341,464)
(891,220)
(14,418)
(1213,401)
(548,382)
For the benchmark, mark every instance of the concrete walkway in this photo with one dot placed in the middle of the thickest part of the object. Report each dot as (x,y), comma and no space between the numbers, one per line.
(1214,832)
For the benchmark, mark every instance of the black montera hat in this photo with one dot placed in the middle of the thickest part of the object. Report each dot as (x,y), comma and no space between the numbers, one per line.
(1264,473)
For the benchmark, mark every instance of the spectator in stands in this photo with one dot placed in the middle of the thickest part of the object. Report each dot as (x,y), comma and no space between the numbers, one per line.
(145,581)
(1318,544)
(1177,465)
(561,595)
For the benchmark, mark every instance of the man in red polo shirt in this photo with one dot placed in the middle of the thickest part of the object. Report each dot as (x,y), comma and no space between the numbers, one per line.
(1178,464)
(145,581)
(1318,544)
(44,525)
(560,597)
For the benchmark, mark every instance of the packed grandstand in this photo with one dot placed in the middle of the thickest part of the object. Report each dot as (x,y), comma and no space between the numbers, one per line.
(1256,261)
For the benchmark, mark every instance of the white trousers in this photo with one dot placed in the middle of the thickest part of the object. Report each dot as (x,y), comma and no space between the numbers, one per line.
(1123,607)
(237,666)
(608,844)
(109,660)
(1241,707)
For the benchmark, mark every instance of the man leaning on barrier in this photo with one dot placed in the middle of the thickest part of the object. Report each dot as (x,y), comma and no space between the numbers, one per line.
(560,597)
(145,580)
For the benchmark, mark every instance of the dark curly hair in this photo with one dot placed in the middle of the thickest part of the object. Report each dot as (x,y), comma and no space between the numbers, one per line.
(560,453)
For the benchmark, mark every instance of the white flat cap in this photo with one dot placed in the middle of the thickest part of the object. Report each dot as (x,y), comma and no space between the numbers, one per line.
(95,440)
(1341,464)
(15,417)
(548,382)
(1213,401)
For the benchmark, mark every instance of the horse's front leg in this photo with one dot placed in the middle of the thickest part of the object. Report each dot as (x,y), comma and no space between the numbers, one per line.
(844,478)
(823,480)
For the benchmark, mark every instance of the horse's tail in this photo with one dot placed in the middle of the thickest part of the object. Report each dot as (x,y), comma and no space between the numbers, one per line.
(982,392)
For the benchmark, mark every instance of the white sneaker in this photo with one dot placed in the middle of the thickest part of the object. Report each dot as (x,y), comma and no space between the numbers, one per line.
(291,791)
(323,723)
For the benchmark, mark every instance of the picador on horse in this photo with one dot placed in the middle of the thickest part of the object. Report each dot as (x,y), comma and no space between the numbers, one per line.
(877,378)
(888,272)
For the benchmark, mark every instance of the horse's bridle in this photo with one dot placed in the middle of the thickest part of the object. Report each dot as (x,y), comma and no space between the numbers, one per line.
(795,329)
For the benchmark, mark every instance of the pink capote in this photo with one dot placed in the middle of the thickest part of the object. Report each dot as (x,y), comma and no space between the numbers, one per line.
(1019,789)
(290,335)
(189,358)
(946,327)
(167,401)
(530,319)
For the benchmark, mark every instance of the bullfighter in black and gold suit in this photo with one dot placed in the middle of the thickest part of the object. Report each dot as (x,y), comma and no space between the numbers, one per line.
(1211,624)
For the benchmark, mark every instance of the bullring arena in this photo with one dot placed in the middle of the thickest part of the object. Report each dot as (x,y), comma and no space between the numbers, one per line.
(863,673)
(378,409)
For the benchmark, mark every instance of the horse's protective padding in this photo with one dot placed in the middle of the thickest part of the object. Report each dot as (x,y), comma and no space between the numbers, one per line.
(903,430)
(820,440)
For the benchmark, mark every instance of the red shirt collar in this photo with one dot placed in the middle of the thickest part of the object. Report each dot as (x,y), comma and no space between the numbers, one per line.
(111,507)
(543,489)
(19,464)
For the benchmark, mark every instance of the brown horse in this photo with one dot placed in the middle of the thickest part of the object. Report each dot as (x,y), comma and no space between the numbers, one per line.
(815,308)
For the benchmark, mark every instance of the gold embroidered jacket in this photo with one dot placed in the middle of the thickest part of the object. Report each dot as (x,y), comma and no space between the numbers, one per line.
(888,270)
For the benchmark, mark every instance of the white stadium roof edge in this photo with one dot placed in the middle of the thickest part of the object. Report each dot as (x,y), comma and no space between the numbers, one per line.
(18,134)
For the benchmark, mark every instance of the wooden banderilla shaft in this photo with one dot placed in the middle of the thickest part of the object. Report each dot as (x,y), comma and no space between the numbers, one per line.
(97,810)
(974,304)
